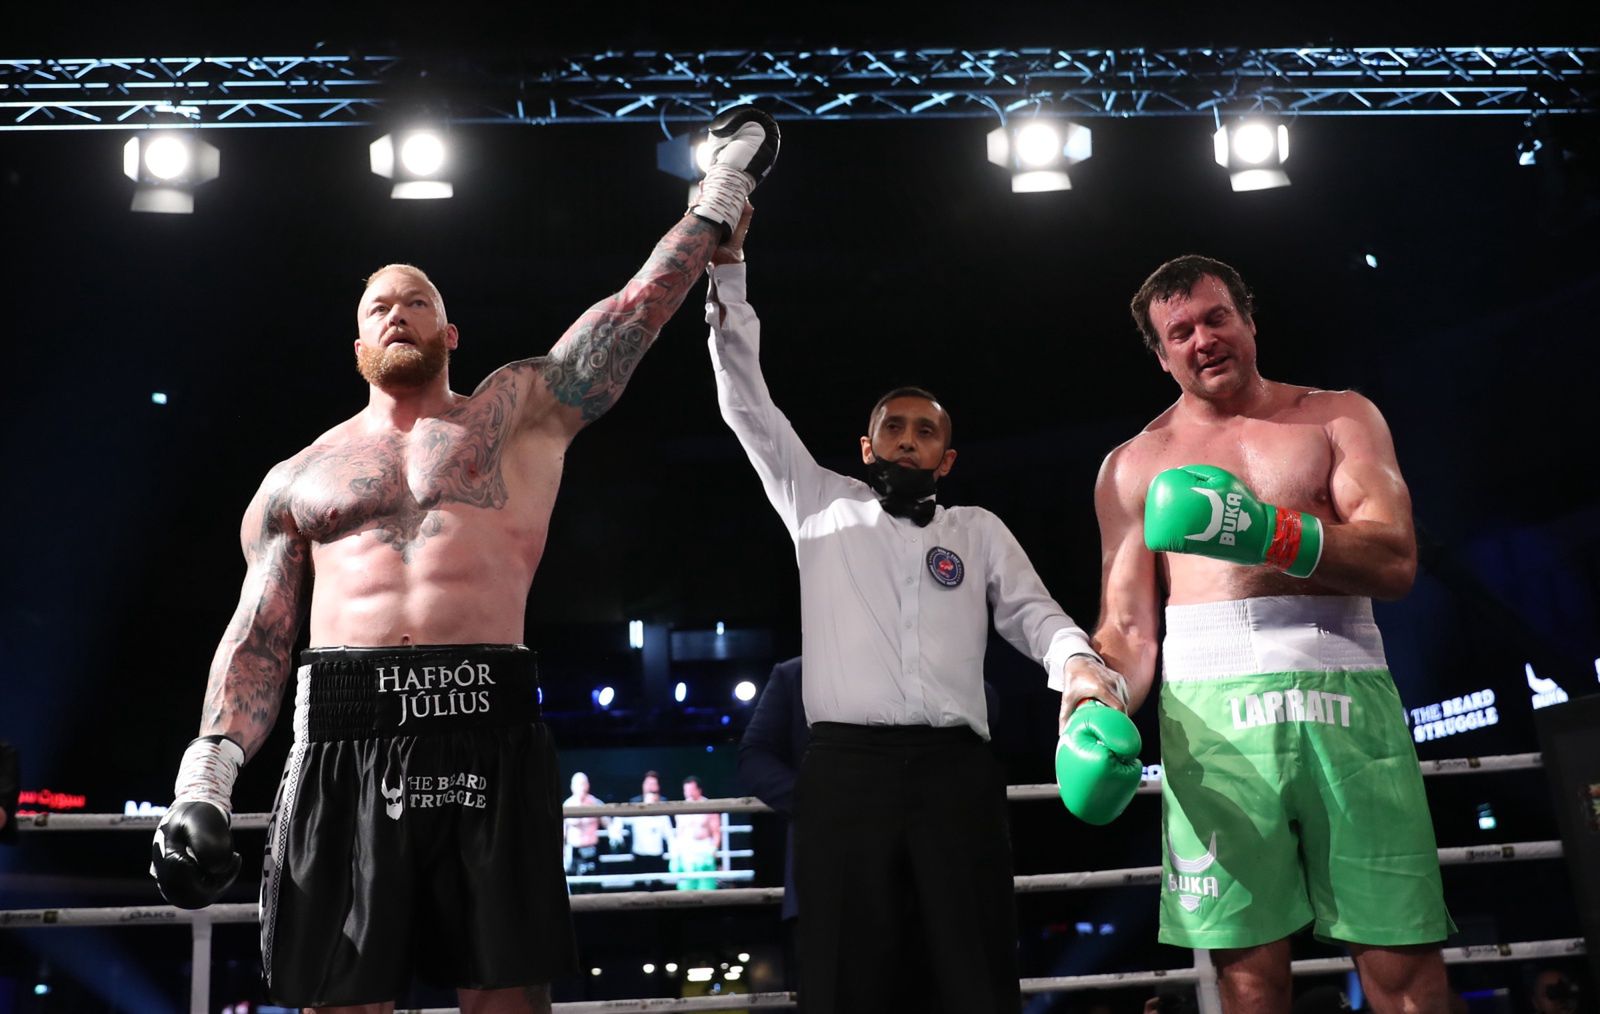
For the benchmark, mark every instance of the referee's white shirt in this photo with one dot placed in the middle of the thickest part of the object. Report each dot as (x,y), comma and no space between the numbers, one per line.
(889,637)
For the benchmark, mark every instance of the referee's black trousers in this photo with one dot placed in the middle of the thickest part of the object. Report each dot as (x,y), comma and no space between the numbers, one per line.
(903,867)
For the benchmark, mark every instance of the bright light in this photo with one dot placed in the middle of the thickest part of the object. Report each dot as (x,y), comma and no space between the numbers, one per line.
(166,157)
(743,956)
(702,973)
(1252,142)
(1038,144)
(680,692)
(422,153)
(636,633)
(745,691)
(41,989)
(721,629)
(158,398)
(1486,821)
(734,972)
(1258,179)
(671,967)
(1040,181)
(604,696)
(702,156)
(1372,260)
(421,190)
(594,971)
(649,969)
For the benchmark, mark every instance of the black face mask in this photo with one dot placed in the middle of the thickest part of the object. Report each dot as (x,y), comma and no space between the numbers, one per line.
(904,492)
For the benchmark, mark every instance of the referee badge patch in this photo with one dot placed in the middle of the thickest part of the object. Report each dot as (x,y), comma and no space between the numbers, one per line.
(945,566)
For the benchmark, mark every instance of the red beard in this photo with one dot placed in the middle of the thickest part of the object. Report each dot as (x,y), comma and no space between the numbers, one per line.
(403,367)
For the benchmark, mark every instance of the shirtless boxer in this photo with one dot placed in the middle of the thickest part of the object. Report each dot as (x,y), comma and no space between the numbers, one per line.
(583,833)
(1265,517)
(695,841)
(418,819)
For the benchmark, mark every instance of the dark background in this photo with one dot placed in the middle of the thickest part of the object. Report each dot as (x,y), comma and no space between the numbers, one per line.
(881,254)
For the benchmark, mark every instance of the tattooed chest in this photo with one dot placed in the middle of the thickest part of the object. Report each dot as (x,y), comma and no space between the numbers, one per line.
(396,486)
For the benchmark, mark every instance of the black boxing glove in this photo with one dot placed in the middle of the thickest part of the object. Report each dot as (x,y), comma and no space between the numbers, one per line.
(744,144)
(192,856)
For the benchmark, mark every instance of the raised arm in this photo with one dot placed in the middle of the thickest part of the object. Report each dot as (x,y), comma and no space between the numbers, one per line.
(794,483)
(252,664)
(1371,546)
(585,372)
(1130,598)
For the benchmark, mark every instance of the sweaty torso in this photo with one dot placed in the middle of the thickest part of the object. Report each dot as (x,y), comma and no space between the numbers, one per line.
(431,535)
(1284,454)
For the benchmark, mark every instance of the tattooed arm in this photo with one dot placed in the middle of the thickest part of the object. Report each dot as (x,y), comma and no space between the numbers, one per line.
(252,664)
(587,369)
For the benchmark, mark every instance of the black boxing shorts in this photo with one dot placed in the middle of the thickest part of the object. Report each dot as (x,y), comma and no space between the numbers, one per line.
(417,828)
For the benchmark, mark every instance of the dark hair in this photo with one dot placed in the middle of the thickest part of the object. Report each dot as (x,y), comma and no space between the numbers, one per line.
(1175,278)
(687,779)
(911,391)
(650,774)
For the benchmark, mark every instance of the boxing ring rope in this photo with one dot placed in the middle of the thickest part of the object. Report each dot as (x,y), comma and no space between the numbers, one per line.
(1200,974)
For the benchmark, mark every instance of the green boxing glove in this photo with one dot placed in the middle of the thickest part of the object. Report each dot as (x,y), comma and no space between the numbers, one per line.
(1097,762)
(1206,510)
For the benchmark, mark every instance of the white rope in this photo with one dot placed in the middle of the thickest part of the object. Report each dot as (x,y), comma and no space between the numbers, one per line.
(1311,966)
(1071,983)
(1508,852)
(732,804)
(1476,954)
(1030,883)
(727,1001)
(639,900)
(635,878)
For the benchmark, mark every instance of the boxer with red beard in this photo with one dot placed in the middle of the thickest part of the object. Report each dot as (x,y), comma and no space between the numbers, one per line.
(418,821)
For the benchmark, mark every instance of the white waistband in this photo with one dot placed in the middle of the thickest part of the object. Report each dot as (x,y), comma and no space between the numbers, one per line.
(1284,633)
(302,704)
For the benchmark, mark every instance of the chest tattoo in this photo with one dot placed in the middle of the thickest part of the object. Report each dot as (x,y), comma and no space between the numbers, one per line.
(397,485)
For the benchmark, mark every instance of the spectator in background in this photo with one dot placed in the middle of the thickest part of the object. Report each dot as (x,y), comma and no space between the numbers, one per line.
(694,846)
(10,786)
(1554,992)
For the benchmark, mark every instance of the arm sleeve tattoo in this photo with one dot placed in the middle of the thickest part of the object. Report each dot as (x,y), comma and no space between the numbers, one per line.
(588,368)
(252,664)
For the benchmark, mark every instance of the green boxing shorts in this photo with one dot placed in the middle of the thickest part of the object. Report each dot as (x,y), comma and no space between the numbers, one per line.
(1291,792)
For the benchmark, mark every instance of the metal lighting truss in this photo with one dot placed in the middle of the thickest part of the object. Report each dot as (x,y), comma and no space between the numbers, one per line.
(342,90)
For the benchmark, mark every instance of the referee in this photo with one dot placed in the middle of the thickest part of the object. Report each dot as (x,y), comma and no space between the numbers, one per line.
(903,850)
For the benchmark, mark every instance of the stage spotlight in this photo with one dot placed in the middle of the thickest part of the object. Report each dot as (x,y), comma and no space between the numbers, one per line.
(686,156)
(636,634)
(1039,151)
(680,692)
(603,696)
(167,166)
(416,161)
(1253,152)
(745,691)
